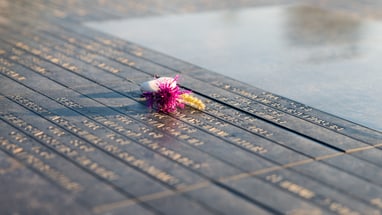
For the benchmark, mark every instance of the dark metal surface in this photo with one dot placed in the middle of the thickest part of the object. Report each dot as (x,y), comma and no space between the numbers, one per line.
(77,138)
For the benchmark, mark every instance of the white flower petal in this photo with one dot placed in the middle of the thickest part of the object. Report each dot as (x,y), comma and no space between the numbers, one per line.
(153,85)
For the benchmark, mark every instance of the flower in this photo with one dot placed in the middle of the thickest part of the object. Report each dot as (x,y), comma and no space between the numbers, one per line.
(163,94)
(166,96)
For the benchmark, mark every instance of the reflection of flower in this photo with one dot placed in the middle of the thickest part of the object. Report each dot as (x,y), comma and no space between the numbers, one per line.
(165,95)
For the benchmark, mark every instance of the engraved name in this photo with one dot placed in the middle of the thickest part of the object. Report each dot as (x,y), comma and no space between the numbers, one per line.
(296,109)
(37,164)
(60,147)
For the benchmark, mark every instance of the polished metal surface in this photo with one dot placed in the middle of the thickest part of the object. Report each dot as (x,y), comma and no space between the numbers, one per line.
(77,135)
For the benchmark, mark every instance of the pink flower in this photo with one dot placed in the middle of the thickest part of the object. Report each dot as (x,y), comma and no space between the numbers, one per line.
(163,94)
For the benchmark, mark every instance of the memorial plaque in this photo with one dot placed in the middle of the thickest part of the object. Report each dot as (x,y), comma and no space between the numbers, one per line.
(77,136)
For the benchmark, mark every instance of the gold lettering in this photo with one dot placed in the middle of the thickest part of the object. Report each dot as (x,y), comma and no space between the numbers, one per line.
(43,153)
(195,142)
(120,140)
(40,166)
(274,178)
(97,168)
(81,145)
(18,136)
(91,125)
(56,131)
(297,189)
(272,100)
(338,207)
(12,74)
(248,145)
(260,131)
(68,103)
(124,119)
